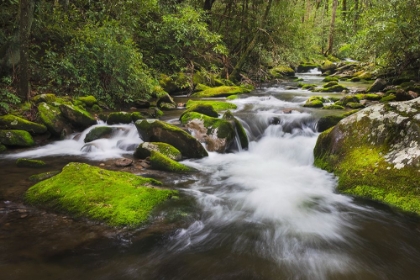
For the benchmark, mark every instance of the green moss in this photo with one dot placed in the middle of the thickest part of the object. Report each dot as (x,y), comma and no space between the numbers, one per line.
(205,109)
(240,130)
(201,87)
(330,84)
(51,117)
(217,105)
(315,102)
(330,79)
(14,122)
(97,133)
(161,162)
(388,98)
(282,71)
(354,105)
(144,150)
(24,162)
(88,100)
(45,97)
(223,127)
(232,97)
(307,86)
(136,116)
(19,138)
(333,107)
(222,91)
(77,116)
(117,198)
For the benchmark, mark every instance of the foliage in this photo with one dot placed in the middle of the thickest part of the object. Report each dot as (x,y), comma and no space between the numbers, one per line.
(7,95)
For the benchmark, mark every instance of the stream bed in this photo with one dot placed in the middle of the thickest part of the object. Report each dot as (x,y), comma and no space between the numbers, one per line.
(263,213)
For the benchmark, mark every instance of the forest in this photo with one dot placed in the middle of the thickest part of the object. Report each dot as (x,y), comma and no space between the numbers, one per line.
(118,50)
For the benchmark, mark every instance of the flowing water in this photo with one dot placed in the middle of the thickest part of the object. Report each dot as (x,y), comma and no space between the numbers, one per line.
(261,213)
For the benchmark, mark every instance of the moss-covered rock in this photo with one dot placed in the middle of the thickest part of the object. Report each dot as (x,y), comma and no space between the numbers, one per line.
(42,176)
(376,153)
(240,131)
(77,116)
(231,97)
(217,105)
(144,150)
(136,116)
(388,98)
(282,71)
(51,116)
(117,198)
(222,91)
(315,102)
(119,117)
(307,86)
(19,138)
(153,112)
(166,102)
(161,162)
(45,97)
(305,67)
(32,163)
(327,122)
(368,96)
(334,88)
(88,100)
(378,85)
(14,122)
(98,132)
(205,109)
(334,107)
(158,131)
(330,79)
(354,105)
(329,66)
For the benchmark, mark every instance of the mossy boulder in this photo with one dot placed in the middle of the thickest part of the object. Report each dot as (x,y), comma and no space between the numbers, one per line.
(217,105)
(205,109)
(161,162)
(348,99)
(315,102)
(282,71)
(330,79)
(136,116)
(145,149)
(388,98)
(15,122)
(307,86)
(77,116)
(378,85)
(45,97)
(327,122)
(98,132)
(51,116)
(153,112)
(333,107)
(222,91)
(376,154)
(333,88)
(240,131)
(330,84)
(354,105)
(32,163)
(369,96)
(158,131)
(116,198)
(18,138)
(305,67)
(119,117)
(88,100)
(328,66)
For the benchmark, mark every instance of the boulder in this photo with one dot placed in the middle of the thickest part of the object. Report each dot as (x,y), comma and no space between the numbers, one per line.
(222,91)
(19,138)
(116,198)
(378,85)
(52,118)
(88,100)
(158,131)
(161,162)
(119,117)
(136,116)
(327,122)
(217,105)
(15,122)
(315,102)
(77,116)
(45,97)
(376,153)
(144,150)
(98,132)
(305,67)
(205,109)
(239,129)
(282,71)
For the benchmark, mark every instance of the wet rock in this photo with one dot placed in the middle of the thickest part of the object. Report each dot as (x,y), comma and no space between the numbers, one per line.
(123,162)
(43,176)
(119,117)
(274,120)
(378,85)
(19,138)
(98,132)
(282,71)
(315,102)
(217,106)
(205,109)
(376,153)
(158,131)
(222,91)
(305,67)
(77,116)
(32,163)
(136,116)
(144,150)
(52,118)
(18,123)
(239,130)
(159,161)
(327,122)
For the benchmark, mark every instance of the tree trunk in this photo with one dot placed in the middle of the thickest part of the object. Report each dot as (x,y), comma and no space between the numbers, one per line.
(208,4)
(25,22)
(239,65)
(332,28)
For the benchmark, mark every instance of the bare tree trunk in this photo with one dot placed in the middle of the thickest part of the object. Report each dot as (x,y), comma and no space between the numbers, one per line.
(332,28)
(26,16)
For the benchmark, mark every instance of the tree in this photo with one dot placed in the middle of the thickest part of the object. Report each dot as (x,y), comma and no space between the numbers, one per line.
(25,22)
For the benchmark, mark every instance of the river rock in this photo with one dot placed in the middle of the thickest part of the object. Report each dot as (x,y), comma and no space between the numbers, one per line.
(239,129)
(159,161)
(376,153)
(165,101)
(89,100)
(144,150)
(32,163)
(205,109)
(77,116)
(123,162)
(51,116)
(18,138)
(98,132)
(119,117)
(222,91)
(15,122)
(217,105)
(45,97)
(378,85)
(158,131)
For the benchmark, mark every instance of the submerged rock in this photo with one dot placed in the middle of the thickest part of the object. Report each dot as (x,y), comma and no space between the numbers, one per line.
(376,153)
(42,176)
(158,131)
(33,163)
(117,198)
